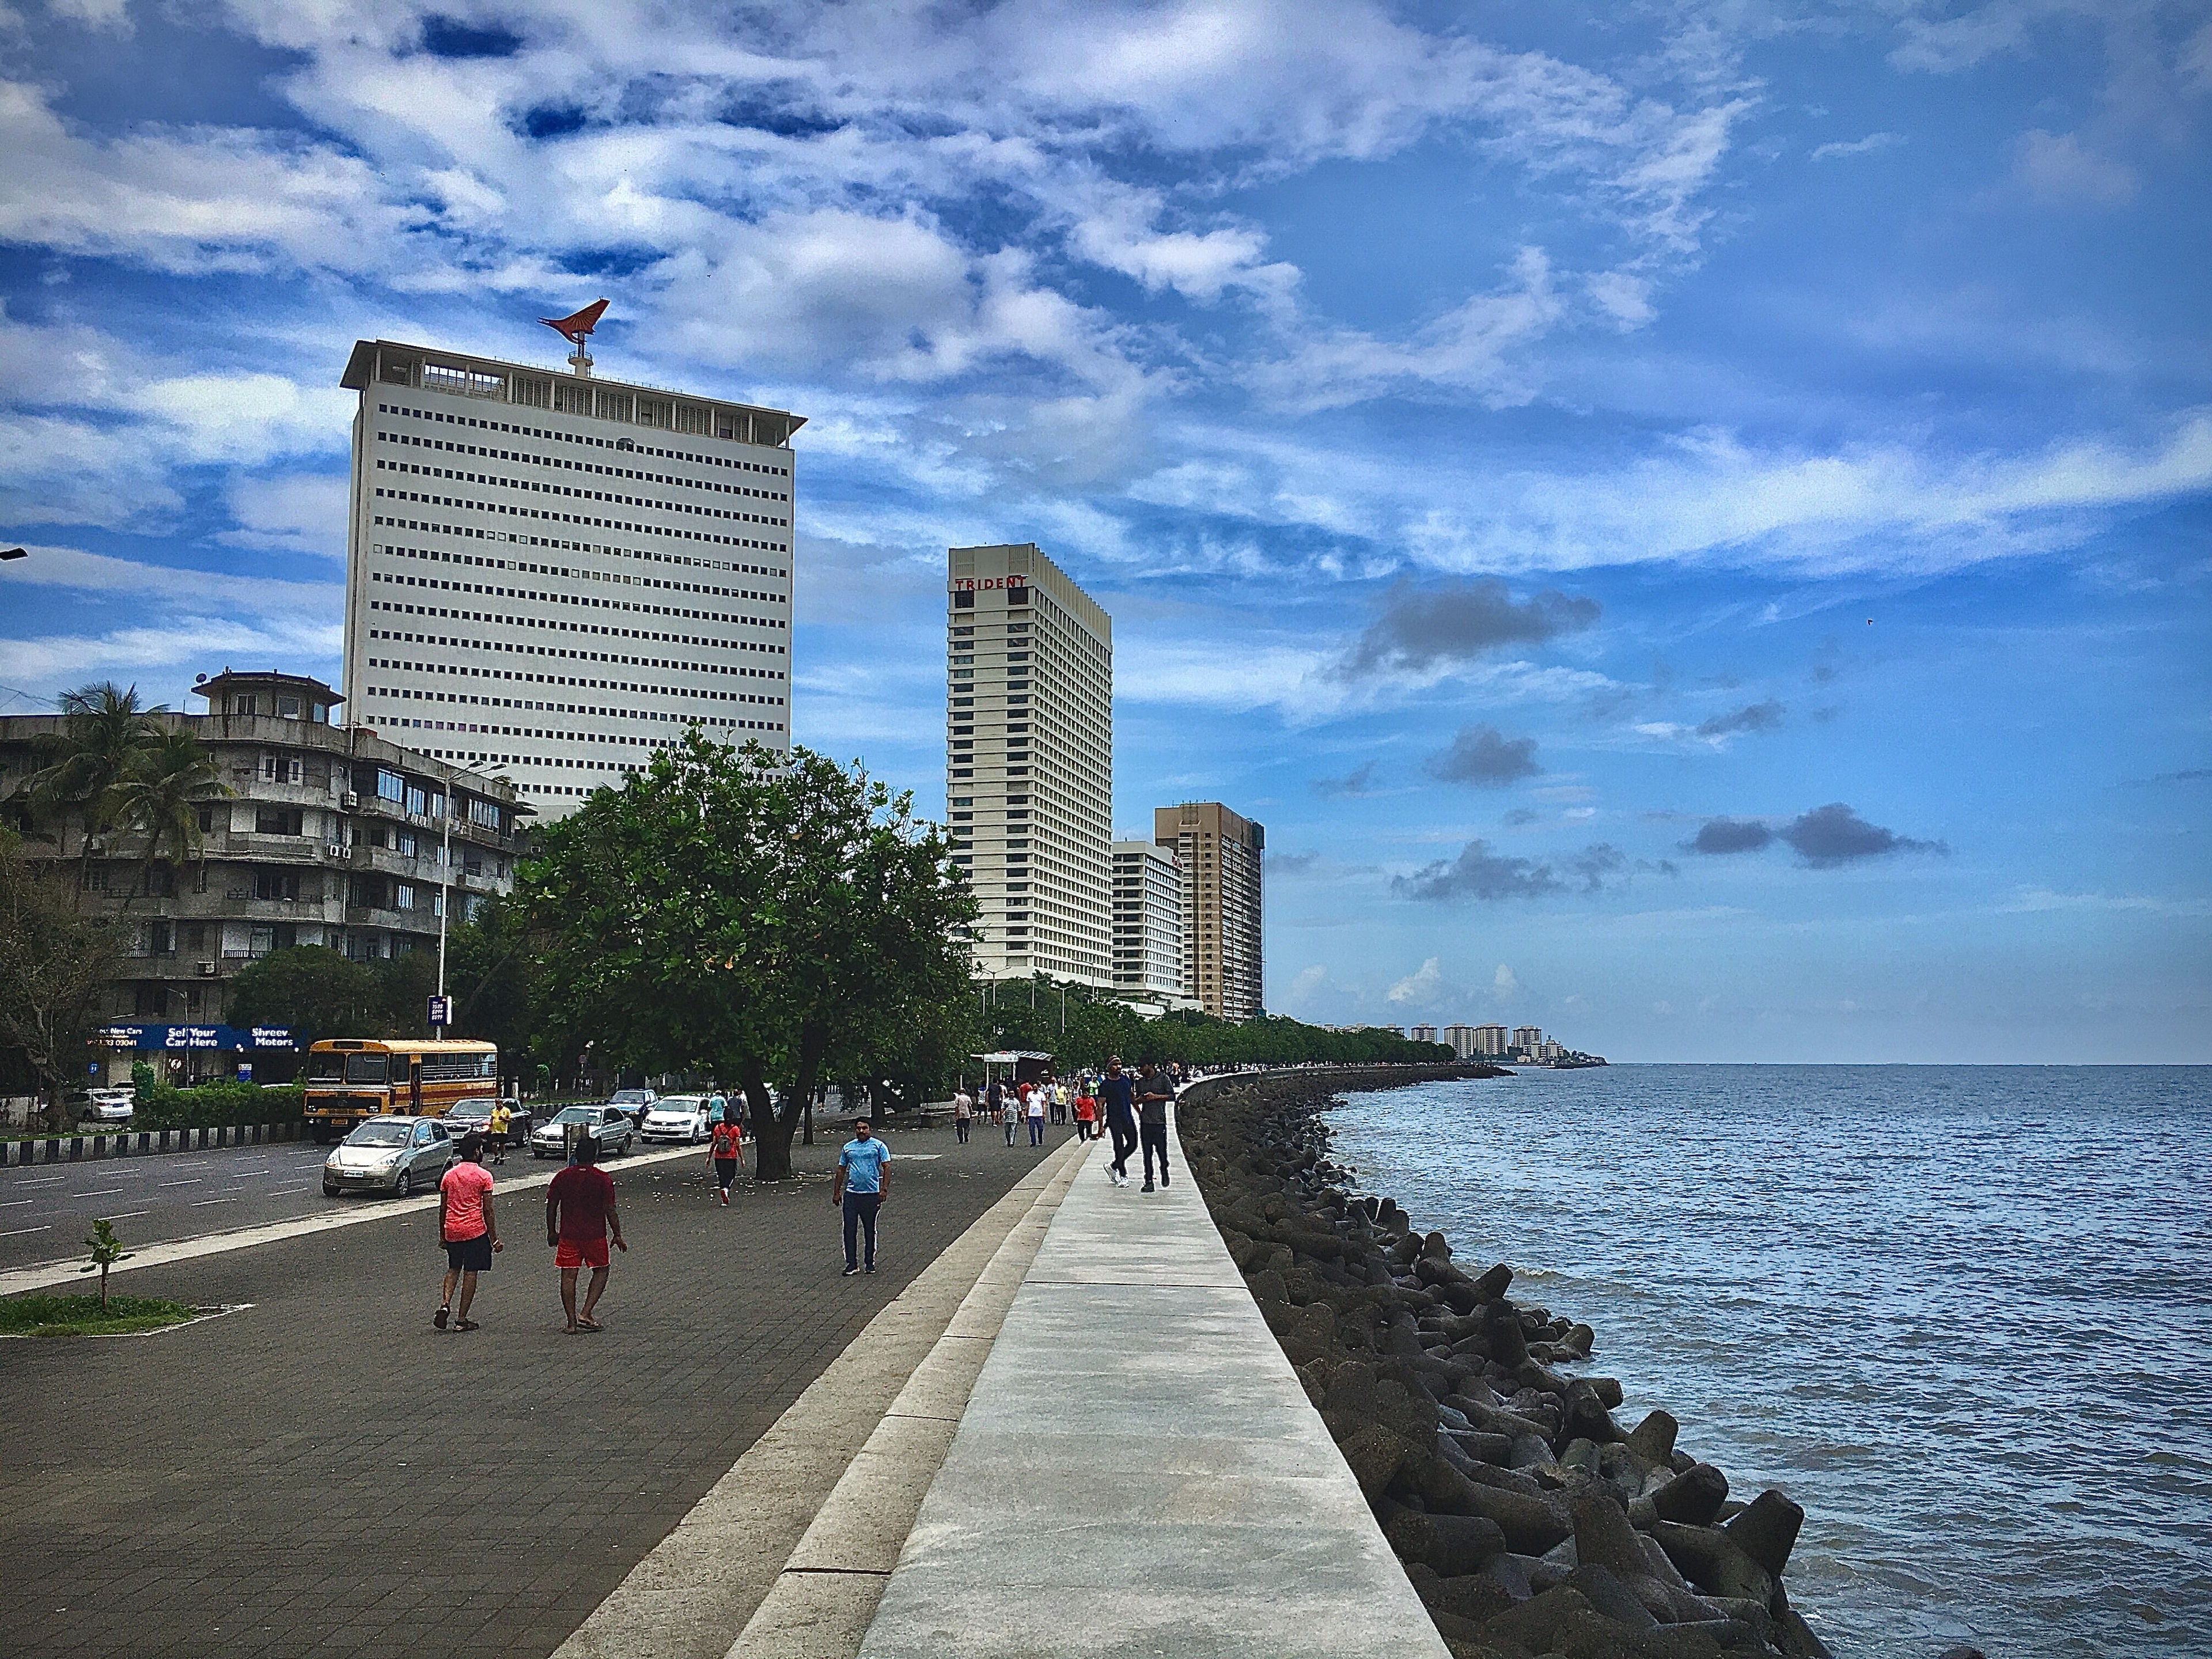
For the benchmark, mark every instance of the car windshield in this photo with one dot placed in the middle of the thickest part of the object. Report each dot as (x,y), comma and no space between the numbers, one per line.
(629,1097)
(579,1114)
(384,1134)
(471,1109)
(676,1105)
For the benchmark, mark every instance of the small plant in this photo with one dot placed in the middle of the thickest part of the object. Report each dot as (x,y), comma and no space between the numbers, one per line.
(106,1250)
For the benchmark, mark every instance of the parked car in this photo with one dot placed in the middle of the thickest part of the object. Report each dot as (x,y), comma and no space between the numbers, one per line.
(610,1125)
(395,1155)
(110,1105)
(676,1117)
(474,1117)
(634,1102)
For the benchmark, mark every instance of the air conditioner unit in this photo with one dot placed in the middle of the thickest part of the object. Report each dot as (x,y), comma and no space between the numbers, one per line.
(351,801)
(207,969)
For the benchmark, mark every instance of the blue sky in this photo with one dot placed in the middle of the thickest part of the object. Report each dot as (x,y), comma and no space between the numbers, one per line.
(1688,523)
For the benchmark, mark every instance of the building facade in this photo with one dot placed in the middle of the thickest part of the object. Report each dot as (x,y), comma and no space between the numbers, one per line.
(1220,854)
(1422,1033)
(551,576)
(1147,922)
(330,835)
(1030,763)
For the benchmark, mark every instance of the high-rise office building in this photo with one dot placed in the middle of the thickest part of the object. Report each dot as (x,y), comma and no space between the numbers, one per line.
(1147,922)
(551,576)
(1030,763)
(1219,853)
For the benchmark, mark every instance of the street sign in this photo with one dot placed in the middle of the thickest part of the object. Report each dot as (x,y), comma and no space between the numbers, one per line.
(442,1011)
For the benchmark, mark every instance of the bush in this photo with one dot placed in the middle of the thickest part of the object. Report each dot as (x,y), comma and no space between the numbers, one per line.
(213,1105)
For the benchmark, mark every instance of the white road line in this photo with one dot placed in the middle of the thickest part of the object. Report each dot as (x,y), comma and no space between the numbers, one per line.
(130,1215)
(41,1180)
(201,1203)
(105,1192)
(10,1203)
(20,1231)
(193,1181)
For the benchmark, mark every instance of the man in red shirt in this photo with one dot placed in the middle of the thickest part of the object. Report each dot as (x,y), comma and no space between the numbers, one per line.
(467,1228)
(579,1208)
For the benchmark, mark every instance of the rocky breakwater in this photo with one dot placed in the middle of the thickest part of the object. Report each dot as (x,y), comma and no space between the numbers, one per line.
(1529,1520)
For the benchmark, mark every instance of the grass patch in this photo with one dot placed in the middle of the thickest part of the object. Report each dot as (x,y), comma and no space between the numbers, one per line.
(80,1315)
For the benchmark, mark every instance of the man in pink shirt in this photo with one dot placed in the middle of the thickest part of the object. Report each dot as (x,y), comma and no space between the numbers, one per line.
(468,1229)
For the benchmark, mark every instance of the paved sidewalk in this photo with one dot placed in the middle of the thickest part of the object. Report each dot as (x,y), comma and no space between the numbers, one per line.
(325,1473)
(1138,1471)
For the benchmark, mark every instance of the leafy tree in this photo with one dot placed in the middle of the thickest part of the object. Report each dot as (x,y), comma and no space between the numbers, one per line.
(160,795)
(54,961)
(311,988)
(726,909)
(104,732)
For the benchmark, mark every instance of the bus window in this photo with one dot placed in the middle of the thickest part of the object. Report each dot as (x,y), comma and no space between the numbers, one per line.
(364,1068)
(326,1068)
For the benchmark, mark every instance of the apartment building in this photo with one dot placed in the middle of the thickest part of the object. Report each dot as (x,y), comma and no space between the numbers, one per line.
(1147,922)
(1028,766)
(1220,855)
(551,576)
(330,835)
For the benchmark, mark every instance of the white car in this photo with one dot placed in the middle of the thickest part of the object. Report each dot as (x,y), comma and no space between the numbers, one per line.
(110,1105)
(676,1117)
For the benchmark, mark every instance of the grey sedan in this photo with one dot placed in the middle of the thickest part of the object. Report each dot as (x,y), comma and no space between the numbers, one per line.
(395,1155)
(611,1126)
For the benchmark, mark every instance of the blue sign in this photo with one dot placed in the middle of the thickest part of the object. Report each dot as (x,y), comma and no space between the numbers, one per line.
(145,1038)
(442,1011)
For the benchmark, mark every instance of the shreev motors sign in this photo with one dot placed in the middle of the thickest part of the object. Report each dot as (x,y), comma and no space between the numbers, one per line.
(147,1038)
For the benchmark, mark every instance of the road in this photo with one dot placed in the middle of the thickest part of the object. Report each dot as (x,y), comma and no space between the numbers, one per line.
(47,1209)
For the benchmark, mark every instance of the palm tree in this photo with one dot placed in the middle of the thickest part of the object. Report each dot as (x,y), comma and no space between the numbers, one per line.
(159,797)
(104,731)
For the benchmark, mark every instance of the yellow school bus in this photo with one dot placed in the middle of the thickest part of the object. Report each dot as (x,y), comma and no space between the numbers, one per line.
(350,1078)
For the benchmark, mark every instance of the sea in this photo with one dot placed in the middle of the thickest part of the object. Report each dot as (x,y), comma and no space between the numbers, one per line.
(1962,1313)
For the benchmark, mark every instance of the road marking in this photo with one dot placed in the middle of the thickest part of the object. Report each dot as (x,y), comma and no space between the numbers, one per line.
(10,1203)
(105,1192)
(46,1274)
(192,1180)
(41,1180)
(201,1203)
(130,1215)
(20,1231)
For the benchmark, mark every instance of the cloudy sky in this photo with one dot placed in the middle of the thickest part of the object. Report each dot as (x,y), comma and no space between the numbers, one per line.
(1690,530)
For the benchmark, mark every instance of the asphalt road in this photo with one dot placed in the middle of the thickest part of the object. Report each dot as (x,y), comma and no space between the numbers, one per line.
(47,1209)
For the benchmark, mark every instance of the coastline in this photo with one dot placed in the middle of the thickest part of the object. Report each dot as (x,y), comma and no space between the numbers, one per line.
(1527,1520)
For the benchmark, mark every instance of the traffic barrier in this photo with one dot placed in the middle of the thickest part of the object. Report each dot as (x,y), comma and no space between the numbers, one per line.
(143,1143)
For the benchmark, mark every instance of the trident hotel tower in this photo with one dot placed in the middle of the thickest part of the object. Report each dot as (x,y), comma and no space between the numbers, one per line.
(1029,768)
(551,576)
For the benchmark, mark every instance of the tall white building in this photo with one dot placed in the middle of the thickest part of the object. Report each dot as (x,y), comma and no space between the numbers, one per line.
(1030,763)
(549,576)
(1147,922)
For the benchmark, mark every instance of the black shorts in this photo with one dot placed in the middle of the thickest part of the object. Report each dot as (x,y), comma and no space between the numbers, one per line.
(469,1255)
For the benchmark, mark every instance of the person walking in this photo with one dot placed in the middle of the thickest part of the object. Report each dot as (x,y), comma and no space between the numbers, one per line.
(1011,1113)
(1153,1096)
(858,1190)
(1038,1097)
(503,1130)
(963,1113)
(467,1228)
(1086,1111)
(718,1108)
(725,1152)
(1118,1094)
(579,1211)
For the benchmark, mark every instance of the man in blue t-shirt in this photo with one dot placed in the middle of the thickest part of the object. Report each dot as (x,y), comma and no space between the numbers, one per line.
(859,1189)
(1117,1092)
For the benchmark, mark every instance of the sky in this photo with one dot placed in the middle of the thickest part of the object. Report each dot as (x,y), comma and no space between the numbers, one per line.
(1691,524)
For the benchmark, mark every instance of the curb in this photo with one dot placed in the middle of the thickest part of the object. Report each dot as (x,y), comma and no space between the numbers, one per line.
(72,1148)
(736,1560)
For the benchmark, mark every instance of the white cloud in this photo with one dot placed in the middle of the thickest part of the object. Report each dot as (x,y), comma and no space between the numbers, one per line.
(1423,986)
(300,512)
(2058,168)
(1866,146)
(1503,984)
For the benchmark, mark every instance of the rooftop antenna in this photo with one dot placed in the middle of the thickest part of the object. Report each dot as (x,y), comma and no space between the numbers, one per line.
(577,330)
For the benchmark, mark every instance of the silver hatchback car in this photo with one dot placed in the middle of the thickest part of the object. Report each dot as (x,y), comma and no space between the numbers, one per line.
(395,1155)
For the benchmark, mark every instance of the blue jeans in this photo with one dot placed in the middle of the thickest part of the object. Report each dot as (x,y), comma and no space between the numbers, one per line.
(860,1211)
(1036,1132)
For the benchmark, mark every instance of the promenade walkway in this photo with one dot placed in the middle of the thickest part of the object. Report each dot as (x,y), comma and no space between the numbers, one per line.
(1139,1472)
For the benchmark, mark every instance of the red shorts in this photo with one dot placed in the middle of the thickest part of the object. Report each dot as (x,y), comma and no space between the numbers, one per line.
(580,1253)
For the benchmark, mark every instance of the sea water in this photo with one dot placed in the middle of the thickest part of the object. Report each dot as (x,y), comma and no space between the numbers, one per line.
(1962,1315)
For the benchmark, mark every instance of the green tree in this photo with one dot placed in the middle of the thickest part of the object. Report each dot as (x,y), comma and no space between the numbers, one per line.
(728,909)
(311,988)
(160,795)
(54,962)
(105,733)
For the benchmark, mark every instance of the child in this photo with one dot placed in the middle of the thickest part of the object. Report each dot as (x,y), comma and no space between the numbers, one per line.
(1087,1113)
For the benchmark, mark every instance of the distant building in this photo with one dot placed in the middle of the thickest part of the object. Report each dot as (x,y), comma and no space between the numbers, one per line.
(1220,853)
(1029,763)
(1527,1039)
(1490,1041)
(554,575)
(332,835)
(1422,1033)
(1462,1038)
(1147,922)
